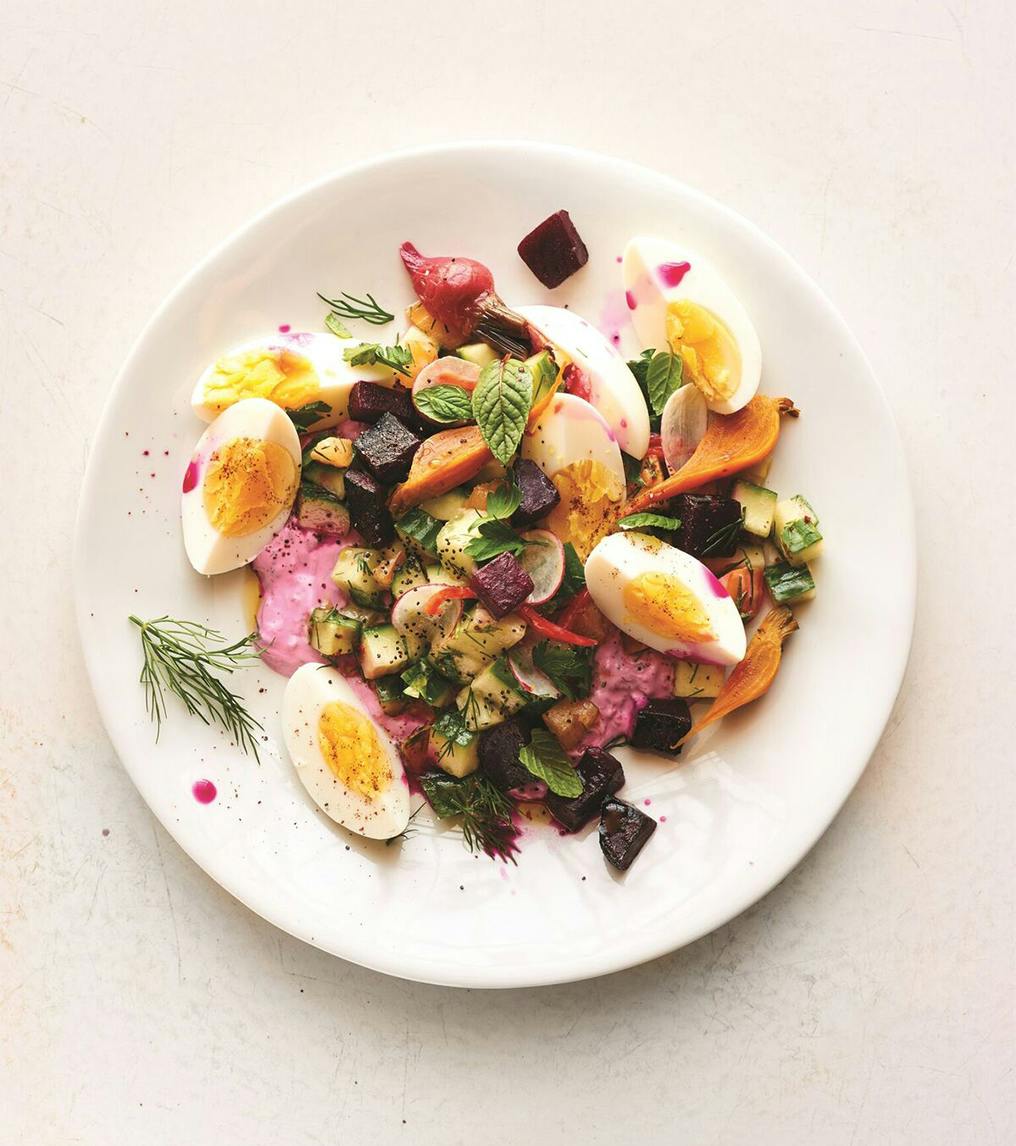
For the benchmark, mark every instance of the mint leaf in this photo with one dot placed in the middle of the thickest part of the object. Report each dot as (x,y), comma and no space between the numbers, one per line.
(305,416)
(570,667)
(544,757)
(664,375)
(649,521)
(494,538)
(501,403)
(444,404)
(396,357)
(336,326)
(419,526)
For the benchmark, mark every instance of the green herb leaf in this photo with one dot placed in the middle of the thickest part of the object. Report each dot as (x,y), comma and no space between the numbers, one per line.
(663,376)
(649,521)
(494,538)
(395,357)
(349,306)
(419,526)
(723,537)
(796,536)
(305,416)
(444,404)
(632,473)
(570,667)
(486,812)
(503,501)
(424,681)
(501,403)
(336,326)
(544,757)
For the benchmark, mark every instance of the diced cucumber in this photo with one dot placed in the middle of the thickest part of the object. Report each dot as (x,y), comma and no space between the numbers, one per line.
(336,452)
(319,511)
(697,682)
(447,506)
(455,535)
(480,634)
(489,700)
(458,666)
(419,530)
(354,575)
(543,369)
(410,576)
(797,532)
(788,583)
(384,651)
(759,505)
(423,681)
(328,477)
(456,759)
(439,575)
(332,633)
(479,353)
(390,694)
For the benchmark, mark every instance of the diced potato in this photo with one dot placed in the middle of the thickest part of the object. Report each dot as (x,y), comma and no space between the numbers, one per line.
(570,720)
(697,682)
(336,452)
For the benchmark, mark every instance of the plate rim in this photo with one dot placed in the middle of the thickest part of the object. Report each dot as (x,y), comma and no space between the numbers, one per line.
(753,890)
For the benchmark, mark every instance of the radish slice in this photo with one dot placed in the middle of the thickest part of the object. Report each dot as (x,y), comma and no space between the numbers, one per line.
(543,560)
(410,616)
(532,681)
(682,425)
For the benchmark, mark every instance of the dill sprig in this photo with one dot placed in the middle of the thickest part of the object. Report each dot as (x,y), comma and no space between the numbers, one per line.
(180,657)
(349,306)
(725,536)
(486,812)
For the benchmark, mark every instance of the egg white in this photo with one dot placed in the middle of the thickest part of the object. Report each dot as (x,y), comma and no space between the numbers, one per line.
(618,559)
(309,690)
(571,430)
(207,549)
(648,296)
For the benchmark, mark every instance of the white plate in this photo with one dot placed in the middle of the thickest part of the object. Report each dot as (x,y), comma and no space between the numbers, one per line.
(745,804)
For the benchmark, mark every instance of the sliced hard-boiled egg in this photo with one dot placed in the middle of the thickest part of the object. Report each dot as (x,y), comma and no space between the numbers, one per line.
(291,370)
(344,759)
(678,299)
(610,385)
(664,598)
(576,448)
(239,486)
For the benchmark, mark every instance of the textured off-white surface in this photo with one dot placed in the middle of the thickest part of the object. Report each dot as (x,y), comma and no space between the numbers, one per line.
(866,1000)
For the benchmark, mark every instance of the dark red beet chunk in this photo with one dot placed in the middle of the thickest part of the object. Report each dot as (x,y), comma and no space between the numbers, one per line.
(709,524)
(501,584)
(624,832)
(368,401)
(602,776)
(661,724)
(539,494)
(499,755)
(365,500)
(554,251)
(387,449)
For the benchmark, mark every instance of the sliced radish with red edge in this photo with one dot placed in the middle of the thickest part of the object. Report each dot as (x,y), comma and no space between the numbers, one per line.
(533,681)
(682,425)
(410,616)
(543,560)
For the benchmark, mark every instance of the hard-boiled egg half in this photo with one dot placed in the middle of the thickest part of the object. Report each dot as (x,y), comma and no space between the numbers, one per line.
(239,486)
(577,450)
(677,299)
(612,386)
(291,370)
(347,763)
(665,598)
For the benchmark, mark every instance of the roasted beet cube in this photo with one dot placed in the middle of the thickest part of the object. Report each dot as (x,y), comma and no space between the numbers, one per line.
(501,584)
(554,251)
(710,524)
(498,750)
(368,401)
(387,449)
(661,724)
(539,494)
(365,500)
(624,831)
(602,776)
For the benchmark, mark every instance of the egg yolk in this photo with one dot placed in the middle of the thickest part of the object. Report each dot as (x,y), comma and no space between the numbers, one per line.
(588,507)
(278,374)
(248,484)
(352,750)
(706,346)
(666,606)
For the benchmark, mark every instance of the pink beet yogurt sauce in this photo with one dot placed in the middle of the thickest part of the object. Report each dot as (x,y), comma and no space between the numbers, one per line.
(622,683)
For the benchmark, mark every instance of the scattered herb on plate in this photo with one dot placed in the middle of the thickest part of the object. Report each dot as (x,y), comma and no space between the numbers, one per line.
(486,812)
(396,357)
(349,306)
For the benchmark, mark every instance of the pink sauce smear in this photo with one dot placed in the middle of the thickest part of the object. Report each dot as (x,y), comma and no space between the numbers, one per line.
(671,274)
(622,683)
(190,477)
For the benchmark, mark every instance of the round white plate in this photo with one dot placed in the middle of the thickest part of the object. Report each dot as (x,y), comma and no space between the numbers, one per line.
(744,804)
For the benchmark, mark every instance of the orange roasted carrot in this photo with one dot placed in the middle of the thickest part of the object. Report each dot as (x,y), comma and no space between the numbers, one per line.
(445,460)
(732,443)
(753,676)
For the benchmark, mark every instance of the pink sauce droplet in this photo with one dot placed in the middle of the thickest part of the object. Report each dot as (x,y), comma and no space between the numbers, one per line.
(647,801)
(663,819)
(190,477)
(624,423)
(618,259)
(204,791)
(671,274)
(630,299)
(284,328)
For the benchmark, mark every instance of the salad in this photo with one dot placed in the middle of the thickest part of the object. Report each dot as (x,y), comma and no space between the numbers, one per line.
(490,549)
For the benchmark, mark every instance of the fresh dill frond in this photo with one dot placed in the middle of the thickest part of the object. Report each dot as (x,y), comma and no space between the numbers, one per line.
(486,812)
(181,657)
(349,306)
(725,536)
